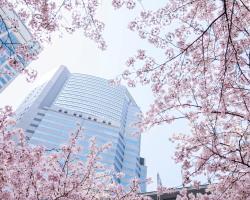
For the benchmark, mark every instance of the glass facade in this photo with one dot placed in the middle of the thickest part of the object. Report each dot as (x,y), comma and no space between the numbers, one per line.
(6,51)
(92,95)
(10,39)
(105,112)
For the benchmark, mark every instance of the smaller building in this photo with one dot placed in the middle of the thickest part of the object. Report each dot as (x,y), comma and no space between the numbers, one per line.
(173,195)
(13,37)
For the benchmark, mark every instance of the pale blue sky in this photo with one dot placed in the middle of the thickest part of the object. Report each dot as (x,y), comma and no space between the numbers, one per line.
(82,56)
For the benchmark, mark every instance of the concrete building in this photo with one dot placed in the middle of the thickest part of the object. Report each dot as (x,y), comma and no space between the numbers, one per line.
(10,38)
(107,112)
(173,195)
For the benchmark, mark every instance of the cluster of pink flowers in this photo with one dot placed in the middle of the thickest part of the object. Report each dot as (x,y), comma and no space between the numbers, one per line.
(48,17)
(45,19)
(202,77)
(35,173)
(130,4)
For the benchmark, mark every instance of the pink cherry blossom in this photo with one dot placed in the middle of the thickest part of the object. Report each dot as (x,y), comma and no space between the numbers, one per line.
(203,77)
(46,20)
(38,173)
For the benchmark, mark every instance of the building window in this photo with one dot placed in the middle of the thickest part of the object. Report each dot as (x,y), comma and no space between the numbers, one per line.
(2,80)
(36,119)
(30,131)
(34,125)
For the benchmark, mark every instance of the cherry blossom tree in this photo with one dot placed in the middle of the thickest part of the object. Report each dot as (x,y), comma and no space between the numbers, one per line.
(36,173)
(202,75)
(44,20)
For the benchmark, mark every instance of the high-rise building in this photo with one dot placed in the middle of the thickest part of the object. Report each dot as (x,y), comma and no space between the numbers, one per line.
(12,36)
(106,112)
